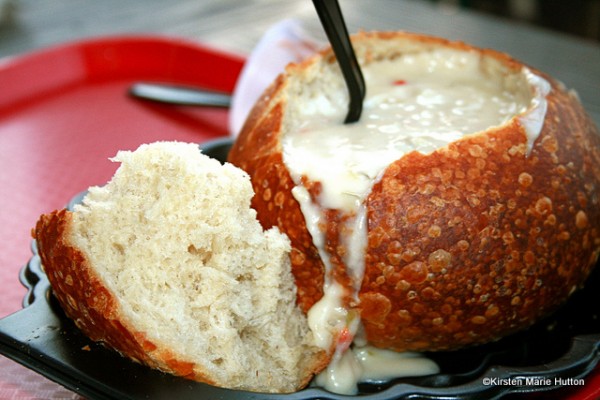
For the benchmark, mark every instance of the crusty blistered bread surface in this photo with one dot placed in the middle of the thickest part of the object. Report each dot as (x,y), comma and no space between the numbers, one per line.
(468,244)
(168,265)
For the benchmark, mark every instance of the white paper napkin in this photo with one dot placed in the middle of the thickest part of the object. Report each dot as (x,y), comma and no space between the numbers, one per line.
(285,42)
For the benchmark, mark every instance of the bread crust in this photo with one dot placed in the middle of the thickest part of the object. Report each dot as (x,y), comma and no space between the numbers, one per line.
(466,245)
(85,299)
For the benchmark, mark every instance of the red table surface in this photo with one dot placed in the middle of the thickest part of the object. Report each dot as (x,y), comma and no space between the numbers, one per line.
(64,111)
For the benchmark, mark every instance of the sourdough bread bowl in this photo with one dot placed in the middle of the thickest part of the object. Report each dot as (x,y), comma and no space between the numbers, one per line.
(458,239)
(167,264)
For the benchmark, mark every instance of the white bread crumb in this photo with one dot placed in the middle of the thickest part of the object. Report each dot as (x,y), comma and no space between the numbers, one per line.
(175,240)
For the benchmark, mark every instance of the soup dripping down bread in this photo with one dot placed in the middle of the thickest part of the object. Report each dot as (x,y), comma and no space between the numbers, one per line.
(447,240)
(168,265)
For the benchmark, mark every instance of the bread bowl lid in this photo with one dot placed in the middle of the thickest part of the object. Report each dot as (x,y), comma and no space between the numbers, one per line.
(561,349)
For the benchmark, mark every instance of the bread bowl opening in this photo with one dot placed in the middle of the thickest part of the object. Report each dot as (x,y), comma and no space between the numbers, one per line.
(418,100)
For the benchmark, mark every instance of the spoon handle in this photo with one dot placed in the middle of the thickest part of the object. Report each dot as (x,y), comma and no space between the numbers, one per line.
(333,23)
(179,95)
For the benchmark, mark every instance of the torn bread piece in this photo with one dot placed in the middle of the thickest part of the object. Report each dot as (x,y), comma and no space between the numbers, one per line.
(168,265)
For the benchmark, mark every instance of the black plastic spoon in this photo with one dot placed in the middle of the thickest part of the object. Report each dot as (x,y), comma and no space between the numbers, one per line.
(333,23)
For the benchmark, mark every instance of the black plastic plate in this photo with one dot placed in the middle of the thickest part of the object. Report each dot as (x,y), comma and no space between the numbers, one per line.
(566,345)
